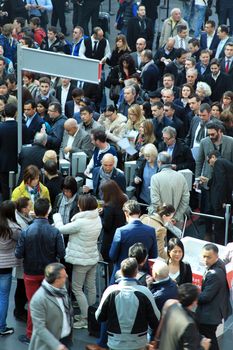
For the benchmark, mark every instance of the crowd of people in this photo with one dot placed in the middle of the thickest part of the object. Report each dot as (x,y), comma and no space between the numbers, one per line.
(171,112)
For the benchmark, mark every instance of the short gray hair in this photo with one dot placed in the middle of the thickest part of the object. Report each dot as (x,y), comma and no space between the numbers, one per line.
(40,138)
(164,158)
(170,131)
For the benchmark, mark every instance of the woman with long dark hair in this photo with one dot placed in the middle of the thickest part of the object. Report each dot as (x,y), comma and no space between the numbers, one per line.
(9,233)
(112,214)
(179,270)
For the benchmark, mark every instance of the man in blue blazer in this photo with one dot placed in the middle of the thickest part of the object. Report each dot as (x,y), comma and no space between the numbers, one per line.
(209,38)
(135,231)
(32,119)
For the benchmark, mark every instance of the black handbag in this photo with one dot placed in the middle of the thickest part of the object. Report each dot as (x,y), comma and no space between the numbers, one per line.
(114,92)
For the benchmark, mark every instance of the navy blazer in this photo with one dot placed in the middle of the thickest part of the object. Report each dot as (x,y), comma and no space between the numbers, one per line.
(117,176)
(150,78)
(213,45)
(126,236)
(69,109)
(35,127)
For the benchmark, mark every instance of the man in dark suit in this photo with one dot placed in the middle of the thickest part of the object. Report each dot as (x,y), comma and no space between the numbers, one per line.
(218,81)
(106,172)
(140,27)
(32,154)
(159,121)
(33,121)
(8,147)
(209,39)
(177,67)
(150,72)
(170,112)
(165,55)
(214,299)
(135,231)
(64,92)
(203,66)
(226,64)
(198,130)
(221,187)
(72,106)
(140,46)
(181,154)
(223,34)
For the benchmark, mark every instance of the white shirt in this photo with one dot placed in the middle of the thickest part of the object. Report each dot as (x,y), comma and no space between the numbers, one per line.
(65,325)
(64,94)
(69,144)
(209,40)
(107,52)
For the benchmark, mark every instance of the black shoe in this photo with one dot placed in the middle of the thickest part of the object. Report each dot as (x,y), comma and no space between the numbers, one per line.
(8,331)
(24,339)
(20,316)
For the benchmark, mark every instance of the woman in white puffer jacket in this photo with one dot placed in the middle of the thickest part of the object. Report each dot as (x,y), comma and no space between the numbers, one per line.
(82,252)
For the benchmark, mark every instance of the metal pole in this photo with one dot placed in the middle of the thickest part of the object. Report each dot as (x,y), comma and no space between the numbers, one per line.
(11,181)
(208,215)
(168,5)
(19,95)
(227,218)
(110,7)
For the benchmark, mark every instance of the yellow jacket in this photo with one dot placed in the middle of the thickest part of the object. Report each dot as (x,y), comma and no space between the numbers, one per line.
(21,191)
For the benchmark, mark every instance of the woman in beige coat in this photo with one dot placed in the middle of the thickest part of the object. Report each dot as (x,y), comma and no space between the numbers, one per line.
(158,220)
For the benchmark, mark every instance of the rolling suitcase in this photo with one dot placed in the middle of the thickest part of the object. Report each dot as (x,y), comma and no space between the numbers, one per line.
(102,284)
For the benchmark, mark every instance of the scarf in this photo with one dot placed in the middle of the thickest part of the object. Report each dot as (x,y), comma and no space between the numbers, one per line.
(63,294)
(103,178)
(34,192)
(65,208)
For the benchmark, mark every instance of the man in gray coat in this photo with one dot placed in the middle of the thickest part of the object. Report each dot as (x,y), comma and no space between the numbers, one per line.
(51,312)
(170,187)
(74,140)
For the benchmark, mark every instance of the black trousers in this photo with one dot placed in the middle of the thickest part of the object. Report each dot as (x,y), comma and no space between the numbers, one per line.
(90,11)
(4,183)
(20,297)
(209,331)
(59,14)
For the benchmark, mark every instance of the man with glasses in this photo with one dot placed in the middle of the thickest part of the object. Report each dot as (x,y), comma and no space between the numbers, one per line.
(215,140)
(181,154)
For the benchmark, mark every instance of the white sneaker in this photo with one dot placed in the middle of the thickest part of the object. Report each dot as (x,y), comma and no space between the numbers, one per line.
(77,317)
(82,323)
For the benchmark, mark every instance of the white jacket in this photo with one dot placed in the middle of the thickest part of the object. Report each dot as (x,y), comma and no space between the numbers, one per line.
(84,230)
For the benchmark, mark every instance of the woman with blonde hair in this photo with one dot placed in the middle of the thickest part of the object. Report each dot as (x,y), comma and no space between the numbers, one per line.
(145,169)
(135,118)
(146,134)
(203,90)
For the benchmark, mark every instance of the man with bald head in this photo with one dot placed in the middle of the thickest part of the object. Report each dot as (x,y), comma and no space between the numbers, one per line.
(107,171)
(74,140)
(140,46)
(163,287)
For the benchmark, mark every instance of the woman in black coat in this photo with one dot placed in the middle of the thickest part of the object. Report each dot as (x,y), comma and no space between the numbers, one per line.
(112,214)
(179,270)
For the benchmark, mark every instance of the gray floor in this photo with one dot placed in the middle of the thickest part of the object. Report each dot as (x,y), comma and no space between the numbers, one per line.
(10,342)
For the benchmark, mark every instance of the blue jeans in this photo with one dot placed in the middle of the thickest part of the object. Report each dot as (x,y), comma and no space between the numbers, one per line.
(188,11)
(199,17)
(5,287)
